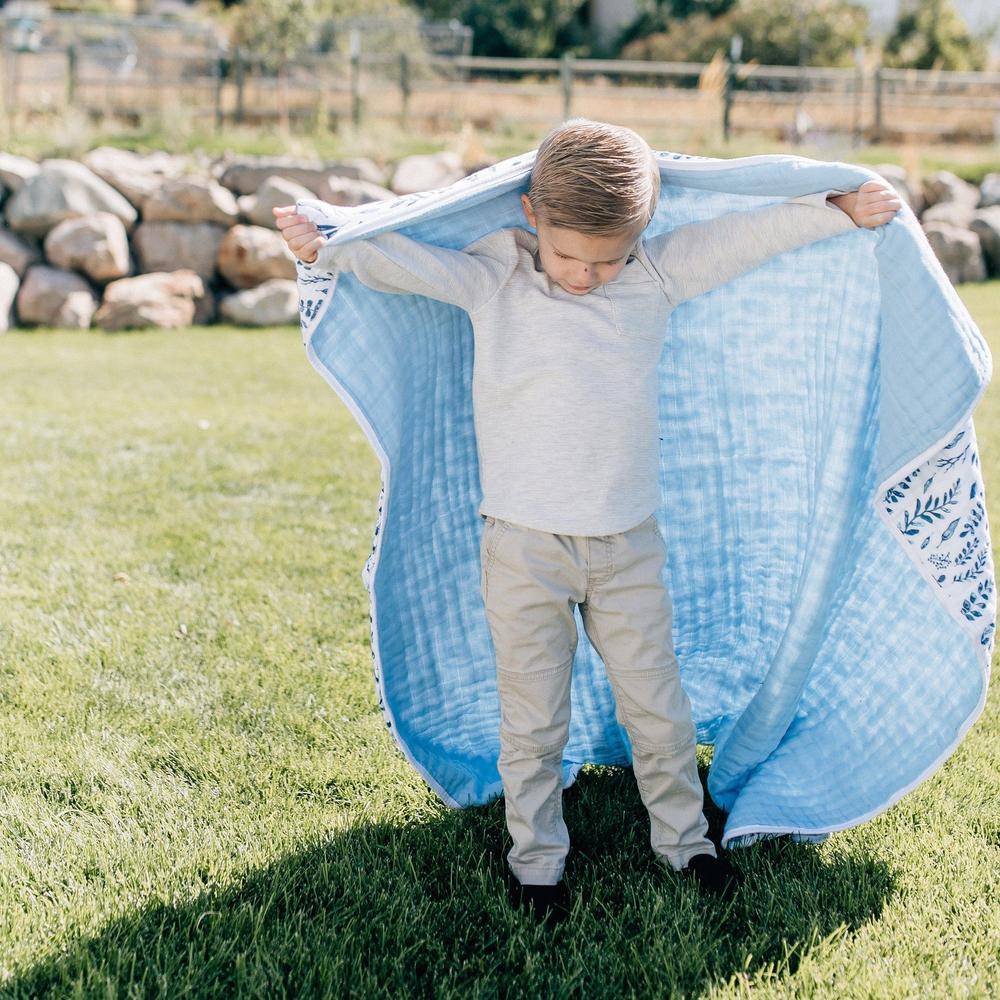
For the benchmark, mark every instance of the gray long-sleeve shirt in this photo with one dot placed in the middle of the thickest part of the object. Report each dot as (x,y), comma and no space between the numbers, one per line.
(565,387)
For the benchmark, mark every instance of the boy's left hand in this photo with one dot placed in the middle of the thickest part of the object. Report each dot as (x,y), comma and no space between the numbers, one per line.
(873,204)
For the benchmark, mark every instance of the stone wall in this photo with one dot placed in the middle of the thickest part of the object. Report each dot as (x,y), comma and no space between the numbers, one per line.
(121,240)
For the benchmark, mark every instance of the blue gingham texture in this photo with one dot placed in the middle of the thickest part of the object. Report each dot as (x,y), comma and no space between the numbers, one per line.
(821,499)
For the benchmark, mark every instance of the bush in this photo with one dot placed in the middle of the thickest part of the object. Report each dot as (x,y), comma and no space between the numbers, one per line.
(930,34)
(770,33)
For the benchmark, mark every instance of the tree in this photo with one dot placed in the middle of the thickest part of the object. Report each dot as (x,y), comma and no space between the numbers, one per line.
(771,31)
(930,34)
(664,15)
(275,31)
(528,28)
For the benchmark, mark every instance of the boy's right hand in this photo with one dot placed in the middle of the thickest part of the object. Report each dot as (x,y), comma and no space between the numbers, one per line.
(301,235)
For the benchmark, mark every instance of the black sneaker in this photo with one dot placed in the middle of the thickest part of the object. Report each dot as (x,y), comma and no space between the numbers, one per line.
(546,903)
(714,874)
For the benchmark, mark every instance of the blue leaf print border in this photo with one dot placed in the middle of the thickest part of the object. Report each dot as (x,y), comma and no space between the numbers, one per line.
(938,511)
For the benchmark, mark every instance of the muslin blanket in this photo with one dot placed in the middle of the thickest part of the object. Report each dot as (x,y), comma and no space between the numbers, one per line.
(821,500)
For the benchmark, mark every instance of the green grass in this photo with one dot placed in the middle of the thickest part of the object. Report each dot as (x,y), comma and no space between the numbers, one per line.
(200,798)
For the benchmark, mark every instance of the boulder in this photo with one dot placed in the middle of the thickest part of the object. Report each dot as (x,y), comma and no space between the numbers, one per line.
(245,174)
(205,308)
(350,192)
(63,189)
(945,186)
(135,175)
(15,170)
(958,250)
(20,254)
(986,225)
(955,213)
(163,299)
(51,297)
(96,244)
(424,171)
(273,193)
(249,255)
(170,246)
(9,283)
(274,302)
(189,200)
(360,168)
(989,191)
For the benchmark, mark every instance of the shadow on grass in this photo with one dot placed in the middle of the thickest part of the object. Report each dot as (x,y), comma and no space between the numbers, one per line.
(417,908)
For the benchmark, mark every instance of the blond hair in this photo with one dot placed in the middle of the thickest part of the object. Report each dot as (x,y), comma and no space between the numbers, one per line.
(594,177)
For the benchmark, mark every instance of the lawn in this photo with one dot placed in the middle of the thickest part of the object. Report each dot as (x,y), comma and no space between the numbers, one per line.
(200,797)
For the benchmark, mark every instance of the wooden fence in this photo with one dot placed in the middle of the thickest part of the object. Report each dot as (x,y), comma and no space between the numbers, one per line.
(870,104)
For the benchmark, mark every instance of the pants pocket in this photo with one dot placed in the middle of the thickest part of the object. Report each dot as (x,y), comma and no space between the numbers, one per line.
(493,530)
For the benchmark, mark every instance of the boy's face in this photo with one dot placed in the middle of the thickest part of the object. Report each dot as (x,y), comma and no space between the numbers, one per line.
(577,261)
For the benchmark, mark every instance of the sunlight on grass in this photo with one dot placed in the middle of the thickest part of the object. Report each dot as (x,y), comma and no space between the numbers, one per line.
(200,795)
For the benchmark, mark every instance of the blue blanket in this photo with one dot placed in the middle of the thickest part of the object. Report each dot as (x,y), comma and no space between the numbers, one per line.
(822,504)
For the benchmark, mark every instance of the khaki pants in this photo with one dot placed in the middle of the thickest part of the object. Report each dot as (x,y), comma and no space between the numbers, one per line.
(531,581)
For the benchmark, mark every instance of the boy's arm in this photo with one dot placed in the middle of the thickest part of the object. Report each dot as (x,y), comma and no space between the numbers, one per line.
(699,256)
(392,262)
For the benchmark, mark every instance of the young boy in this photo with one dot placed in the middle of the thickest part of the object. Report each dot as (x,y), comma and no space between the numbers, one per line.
(569,322)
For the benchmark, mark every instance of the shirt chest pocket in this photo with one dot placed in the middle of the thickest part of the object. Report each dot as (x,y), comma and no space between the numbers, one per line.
(639,307)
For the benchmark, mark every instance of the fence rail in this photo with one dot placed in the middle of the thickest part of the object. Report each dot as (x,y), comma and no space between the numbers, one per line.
(868,103)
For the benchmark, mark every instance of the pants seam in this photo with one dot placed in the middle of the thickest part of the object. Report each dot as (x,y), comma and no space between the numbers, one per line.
(645,674)
(537,674)
(539,751)
(673,748)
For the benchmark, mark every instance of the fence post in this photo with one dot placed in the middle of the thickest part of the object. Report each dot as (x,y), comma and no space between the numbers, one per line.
(566,79)
(12,85)
(355,52)
(219,76)
(877,131)
(404,86)
(240,74)
(859,87)
(732,57)
(70,73)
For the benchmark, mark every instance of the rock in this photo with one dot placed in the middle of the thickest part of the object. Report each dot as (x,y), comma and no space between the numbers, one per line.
(958,250)
(18,253)
(424,171)
(135,175)
(163,299)
(272,303)
(245,174)
(191,199)
(249,255)
(96,244)
(955,213)
(64,189)
(986,225)
(989,191)
(170,246)
(346,191)
(360,168)
(205,309)
(899,179)
(9,283)
(51,297)
(945,186)
(273,193)
(15,170)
